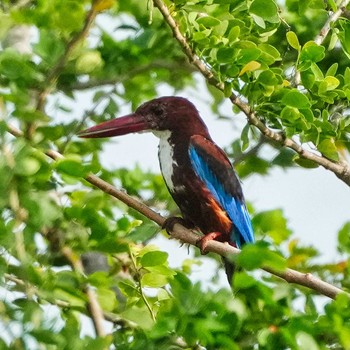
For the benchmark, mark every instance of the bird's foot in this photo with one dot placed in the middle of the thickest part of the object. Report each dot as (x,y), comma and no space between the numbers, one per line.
(170,222)
(202,243)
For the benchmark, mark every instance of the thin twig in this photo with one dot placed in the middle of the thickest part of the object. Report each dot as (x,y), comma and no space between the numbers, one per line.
(108,316)
(58,67)
(187,236)
(340,169)
(140,290)
(156,64)
(93,305)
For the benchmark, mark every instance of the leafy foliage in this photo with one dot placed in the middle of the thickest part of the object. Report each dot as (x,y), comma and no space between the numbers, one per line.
(51,221)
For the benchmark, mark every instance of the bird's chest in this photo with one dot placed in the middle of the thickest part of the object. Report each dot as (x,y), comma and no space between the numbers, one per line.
(167,162)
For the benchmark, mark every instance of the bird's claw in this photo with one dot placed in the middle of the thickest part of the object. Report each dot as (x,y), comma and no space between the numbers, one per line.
(202,242)
(170,222)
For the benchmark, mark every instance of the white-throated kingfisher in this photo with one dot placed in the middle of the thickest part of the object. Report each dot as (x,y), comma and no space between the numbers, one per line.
(196,171)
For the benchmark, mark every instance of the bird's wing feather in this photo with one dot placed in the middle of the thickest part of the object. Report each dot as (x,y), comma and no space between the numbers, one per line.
(214,169)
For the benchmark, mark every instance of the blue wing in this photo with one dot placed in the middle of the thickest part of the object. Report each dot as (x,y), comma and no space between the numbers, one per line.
(215,170)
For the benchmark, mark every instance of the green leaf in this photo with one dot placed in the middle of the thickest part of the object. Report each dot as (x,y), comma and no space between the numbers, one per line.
(245,137)
(306,342)
(293,40)
(208,21)
(305,163)
(88,62)
(266,9)
(331,82)
(250,67)
(258,255)
(154,258)
(328,148)
(243,280)
(106,298)
(71,167)
(344,238)
(272,223)
(295,98)
(154,280)
(312,52)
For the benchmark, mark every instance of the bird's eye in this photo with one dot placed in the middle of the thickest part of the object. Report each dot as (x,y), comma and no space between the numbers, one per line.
(157,110)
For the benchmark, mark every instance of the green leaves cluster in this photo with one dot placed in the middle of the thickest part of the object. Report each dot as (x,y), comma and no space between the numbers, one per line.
(291,82)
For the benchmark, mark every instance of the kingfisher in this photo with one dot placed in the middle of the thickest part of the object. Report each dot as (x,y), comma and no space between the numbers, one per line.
(196,171)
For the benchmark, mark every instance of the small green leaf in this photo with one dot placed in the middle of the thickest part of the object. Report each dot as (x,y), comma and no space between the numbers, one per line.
(71,167)
(243,281)
(305,163)
(295,98)
(272,223)
(250,67)
(106,298)
(154,258)
(88,62)
(266,9)
(331,82)
(312,52)
(293,40)
(245,137)
(306,342)
(332,70)
(328,148)
(208,21)
(154,280)
(344,238)
(28,166)
(258,255)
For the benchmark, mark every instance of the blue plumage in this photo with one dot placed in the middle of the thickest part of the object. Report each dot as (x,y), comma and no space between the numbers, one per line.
(242,231)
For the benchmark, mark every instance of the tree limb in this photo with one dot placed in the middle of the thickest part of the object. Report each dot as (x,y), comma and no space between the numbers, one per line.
(187,236)
(341,169)
(58,67)
(331,19)
(156,64)
(93,305)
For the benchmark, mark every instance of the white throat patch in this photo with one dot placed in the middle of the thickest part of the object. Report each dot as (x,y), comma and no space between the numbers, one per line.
(166,160)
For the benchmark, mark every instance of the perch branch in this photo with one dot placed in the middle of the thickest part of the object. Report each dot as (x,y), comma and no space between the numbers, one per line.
(187,236)
(340,169)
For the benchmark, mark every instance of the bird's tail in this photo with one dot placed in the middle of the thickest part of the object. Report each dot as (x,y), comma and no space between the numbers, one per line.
(230,269)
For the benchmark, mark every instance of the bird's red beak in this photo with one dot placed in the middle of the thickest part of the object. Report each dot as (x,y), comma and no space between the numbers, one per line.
(116,127)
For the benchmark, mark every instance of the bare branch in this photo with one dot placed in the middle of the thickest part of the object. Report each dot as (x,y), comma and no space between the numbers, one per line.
(187,236)
(340,169)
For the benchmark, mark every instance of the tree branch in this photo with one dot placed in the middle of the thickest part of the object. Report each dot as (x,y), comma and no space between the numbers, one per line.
(187,236)
(340,169)
(331,19)
(58,67)
(93,305)
(156,64)
(334,16)
(108,316)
